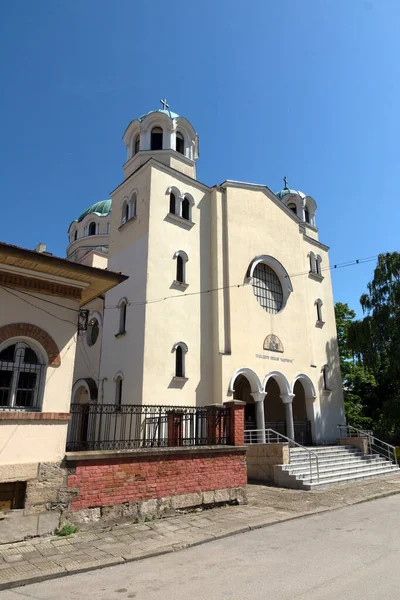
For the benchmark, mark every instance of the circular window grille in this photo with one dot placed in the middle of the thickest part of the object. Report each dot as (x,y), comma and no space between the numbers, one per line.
(267,288)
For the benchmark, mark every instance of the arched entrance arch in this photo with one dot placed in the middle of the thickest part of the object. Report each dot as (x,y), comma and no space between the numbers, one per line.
(245,385)
(278,404)
(303,408)
(84,393)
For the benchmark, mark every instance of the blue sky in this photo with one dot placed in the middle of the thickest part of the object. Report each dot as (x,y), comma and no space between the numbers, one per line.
(304,88)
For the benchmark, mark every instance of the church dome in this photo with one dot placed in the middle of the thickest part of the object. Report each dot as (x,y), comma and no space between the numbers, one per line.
(287,191)
(101,209)
(164,111)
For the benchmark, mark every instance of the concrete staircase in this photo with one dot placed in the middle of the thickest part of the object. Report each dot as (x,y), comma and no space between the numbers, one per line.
(337,464)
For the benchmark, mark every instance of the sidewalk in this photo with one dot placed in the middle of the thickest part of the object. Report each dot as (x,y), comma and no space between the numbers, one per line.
(45,558)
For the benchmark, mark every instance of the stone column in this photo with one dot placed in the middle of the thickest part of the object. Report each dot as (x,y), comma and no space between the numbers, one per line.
(260,419)
(287,400)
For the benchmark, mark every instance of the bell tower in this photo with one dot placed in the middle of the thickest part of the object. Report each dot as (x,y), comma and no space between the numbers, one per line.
(165,136)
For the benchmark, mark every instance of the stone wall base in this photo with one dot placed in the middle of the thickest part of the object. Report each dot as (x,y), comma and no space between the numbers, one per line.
(156,508)
(360,443)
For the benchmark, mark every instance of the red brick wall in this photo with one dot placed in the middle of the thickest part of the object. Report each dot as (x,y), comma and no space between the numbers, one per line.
(103,482)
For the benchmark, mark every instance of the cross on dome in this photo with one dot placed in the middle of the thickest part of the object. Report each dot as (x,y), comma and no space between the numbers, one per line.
(164,104)
(285,181)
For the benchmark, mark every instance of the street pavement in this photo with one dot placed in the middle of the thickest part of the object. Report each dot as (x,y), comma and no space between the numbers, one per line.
(350,553)
(38,559)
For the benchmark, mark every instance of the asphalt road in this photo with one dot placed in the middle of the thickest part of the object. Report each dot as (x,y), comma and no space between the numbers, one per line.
(345,554)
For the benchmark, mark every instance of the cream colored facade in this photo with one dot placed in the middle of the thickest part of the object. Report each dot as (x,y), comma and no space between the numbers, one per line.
(227,235)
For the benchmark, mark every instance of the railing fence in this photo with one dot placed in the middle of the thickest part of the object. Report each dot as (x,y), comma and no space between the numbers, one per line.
(119,427)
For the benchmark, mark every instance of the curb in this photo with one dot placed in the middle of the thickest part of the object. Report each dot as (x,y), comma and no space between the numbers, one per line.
(169,549)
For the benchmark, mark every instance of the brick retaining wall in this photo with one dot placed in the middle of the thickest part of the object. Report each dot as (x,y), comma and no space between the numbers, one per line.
(177,477)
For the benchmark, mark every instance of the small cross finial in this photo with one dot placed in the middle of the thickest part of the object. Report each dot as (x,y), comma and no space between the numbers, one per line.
(285,181)
(164,104)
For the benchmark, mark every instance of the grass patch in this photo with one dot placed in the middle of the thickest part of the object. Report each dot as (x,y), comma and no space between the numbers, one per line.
(67,529)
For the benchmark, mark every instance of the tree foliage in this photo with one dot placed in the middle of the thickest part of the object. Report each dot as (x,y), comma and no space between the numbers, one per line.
(370,349)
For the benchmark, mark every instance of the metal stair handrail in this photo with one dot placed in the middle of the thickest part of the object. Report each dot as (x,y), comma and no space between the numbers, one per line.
(374,444)
(274,437)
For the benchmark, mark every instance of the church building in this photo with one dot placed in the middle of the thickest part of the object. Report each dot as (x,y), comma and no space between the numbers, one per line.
(228,294)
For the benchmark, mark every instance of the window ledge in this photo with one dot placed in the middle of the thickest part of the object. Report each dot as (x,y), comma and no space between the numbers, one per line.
(320,324)
(182,379)
(180,285)
(120,334)
(179,220)
(315,276)
(127,222)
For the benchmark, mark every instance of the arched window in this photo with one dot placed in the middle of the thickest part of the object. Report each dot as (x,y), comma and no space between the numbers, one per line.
(318,305)
(92,228)
(313,262)
(118,389)
(293,208)
(325,377)
(20,377)
(136,146)
(318,261)
(156,138)
(122,316)
(125,212)
(267,288)
(306,215)
(179,269)
(180,350)
(133,203)
(181,260)
(186,209)
(93,331)
(76,235)
(180,143)
(172,203)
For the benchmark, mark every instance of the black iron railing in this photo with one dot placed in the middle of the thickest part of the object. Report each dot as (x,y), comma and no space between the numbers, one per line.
(127,426)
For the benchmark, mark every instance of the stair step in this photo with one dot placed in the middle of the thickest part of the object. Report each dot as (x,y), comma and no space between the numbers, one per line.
(360,464)
(332,473)
(308,485)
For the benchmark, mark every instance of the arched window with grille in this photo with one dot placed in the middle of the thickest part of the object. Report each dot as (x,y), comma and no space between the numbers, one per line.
(92,229)
(267,288)
(180,349)
(21,377)
(180,143)
(156,138)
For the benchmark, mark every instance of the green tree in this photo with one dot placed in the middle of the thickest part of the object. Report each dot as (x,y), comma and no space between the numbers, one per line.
(359,385)
(375,341)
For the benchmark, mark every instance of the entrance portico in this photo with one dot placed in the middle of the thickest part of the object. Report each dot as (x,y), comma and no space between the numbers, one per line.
(276,404)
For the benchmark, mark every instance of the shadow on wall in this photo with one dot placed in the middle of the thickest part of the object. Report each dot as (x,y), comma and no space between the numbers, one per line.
(330,391)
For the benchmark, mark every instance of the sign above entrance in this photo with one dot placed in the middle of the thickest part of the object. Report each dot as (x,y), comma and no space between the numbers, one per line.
(273,343)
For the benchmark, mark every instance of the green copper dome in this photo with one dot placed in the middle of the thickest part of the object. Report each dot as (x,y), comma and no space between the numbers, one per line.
(169,113)
(286,191)
(101,209)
